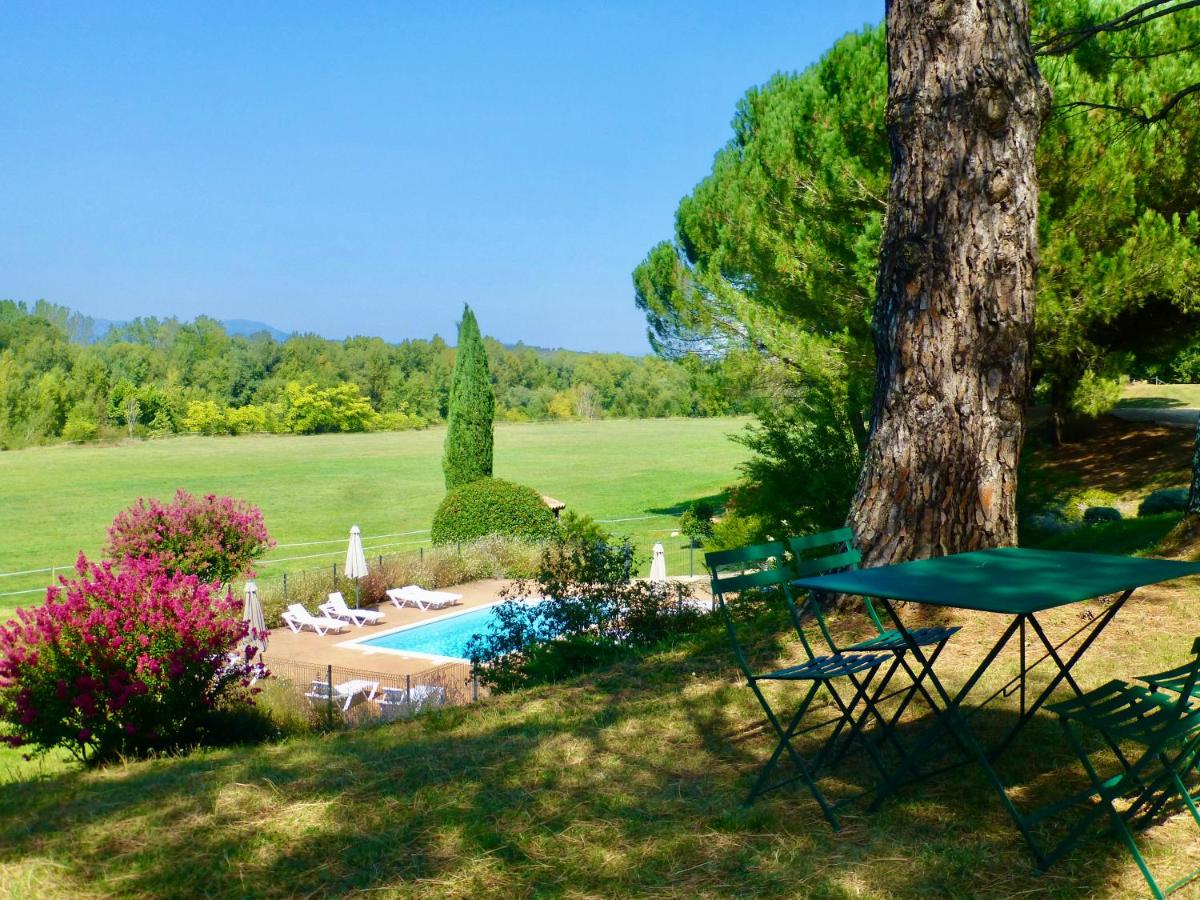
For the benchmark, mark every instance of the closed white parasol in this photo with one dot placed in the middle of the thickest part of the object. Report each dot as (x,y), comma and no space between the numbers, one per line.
(356,561)
(252,612)
(658,564)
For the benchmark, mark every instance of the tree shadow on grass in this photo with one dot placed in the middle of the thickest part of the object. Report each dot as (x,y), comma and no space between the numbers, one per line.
(629,782)
(716,501)
(1150,403)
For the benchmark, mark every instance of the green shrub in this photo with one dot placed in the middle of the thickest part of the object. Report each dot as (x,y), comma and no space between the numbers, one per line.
(492,506)
(1164,500)
(1097,392)
(582,528)
(1094,515)
(697,521)
(1075,503)
(736,530)
(80,426)
(593,614)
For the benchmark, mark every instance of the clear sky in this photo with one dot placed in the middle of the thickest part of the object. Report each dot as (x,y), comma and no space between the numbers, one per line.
(365,168)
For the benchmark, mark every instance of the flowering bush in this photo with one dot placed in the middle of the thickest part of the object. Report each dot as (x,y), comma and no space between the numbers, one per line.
(214,538)
(123,661)
(592,614)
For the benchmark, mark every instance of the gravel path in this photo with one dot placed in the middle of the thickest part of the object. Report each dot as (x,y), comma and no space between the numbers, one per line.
(1180,416)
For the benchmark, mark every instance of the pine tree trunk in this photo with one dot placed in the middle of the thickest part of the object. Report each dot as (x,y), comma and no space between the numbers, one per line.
(955,294)
(1193,501)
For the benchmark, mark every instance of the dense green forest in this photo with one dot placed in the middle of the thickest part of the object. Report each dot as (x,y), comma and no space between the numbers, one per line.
(154,377)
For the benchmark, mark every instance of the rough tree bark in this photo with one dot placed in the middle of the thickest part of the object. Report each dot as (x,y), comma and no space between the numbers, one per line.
(1192,514)
(955,293)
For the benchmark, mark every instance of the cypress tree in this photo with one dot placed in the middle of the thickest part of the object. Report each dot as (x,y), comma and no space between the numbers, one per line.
(468,453)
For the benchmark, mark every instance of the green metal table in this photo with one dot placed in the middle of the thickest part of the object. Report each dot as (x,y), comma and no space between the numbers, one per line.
(1009,581)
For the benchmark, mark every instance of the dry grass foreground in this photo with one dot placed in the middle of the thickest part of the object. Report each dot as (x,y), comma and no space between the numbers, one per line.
(627,783)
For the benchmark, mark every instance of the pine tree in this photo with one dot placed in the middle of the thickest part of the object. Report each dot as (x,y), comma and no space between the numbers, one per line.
(468,453)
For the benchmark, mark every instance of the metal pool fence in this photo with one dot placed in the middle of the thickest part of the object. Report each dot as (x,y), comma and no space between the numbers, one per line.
(303,577)
(338,696)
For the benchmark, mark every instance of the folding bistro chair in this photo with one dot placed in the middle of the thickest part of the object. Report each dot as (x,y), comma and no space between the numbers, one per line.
(758,568)
(833,551)
(1166,726)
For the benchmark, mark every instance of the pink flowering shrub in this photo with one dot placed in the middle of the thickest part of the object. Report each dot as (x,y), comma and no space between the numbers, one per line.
(123,661)
(214,538)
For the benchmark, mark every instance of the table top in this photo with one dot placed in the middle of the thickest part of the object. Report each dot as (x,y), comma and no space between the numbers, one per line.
(1012,580)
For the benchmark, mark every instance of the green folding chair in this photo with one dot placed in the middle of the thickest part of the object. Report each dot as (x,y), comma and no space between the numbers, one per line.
(833,551)
(1165,723)
(757,568)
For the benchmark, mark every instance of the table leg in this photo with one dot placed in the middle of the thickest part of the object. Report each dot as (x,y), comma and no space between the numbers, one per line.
(1064,670)
(956,724)
(1022,667)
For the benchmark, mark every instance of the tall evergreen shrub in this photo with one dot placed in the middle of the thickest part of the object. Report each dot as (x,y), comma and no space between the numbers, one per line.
(468,453)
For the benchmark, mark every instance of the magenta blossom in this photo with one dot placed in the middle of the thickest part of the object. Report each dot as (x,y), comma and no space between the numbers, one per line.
(214,538)
(120,660)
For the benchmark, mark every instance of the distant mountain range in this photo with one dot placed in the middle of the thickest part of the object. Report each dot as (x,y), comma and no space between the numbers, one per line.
(245,327)
(84,329)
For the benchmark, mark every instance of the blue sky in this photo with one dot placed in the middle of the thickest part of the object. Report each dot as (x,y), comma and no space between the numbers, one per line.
(365,168)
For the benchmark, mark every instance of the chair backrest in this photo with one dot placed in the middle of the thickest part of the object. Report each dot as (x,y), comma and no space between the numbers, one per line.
(1182,708)
(338,601)
(298,610)
(755,566)
(321,688)
(1190,678)
(821,554)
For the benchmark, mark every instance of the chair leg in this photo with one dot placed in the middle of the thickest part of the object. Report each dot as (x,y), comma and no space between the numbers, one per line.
(785,744)
(1106,802)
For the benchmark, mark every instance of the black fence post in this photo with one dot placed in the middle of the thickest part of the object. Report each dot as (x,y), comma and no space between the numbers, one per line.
(329,687)
(421,553)
(691,558)
(285,585)
(408,692)
(333,584)
(381,560)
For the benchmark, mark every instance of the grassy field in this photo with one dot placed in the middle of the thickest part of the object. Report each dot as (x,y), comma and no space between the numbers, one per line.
(626,783)
(1145,394)
(58,500)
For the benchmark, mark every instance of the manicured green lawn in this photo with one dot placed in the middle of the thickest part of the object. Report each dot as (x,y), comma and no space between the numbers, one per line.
(1145,394)
(59,500)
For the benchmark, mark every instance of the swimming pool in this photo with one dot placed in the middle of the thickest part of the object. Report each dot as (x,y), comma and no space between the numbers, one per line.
(446,636)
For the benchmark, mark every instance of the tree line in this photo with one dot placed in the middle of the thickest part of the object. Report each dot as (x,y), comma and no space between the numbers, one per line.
(157,376)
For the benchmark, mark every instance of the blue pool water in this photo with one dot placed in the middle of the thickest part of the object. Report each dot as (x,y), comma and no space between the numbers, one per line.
(446,637)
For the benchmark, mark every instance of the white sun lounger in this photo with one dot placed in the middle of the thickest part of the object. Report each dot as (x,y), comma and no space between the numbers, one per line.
(394,703)
(335,607)
(348,693)
(298,618)
(411,595)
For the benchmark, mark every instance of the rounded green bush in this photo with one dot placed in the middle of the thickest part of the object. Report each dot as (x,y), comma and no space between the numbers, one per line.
(1165,500)
(492,506)
(1095,515)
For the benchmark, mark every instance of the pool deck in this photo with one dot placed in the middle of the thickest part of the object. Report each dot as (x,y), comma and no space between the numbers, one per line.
(308,647)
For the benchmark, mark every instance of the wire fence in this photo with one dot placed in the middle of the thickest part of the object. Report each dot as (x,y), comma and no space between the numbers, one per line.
(282,576)
(336,696)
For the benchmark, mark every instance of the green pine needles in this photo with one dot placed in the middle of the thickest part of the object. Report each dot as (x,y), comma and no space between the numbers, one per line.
(468,453)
